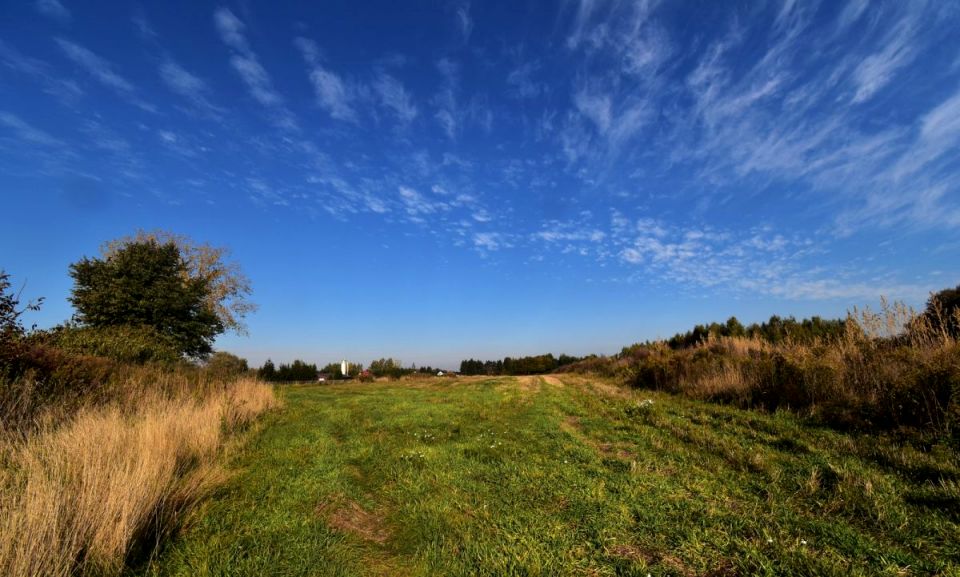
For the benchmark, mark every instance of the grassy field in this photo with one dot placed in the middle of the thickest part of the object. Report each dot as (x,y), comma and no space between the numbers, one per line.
(564,475)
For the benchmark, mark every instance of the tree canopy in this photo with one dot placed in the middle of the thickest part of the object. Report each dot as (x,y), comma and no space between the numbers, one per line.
(227,287)
(147,283)
(226,364)
(530,365)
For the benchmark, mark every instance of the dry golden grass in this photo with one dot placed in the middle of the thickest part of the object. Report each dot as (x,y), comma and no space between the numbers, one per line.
(890,367)
(727,381)
(82,496)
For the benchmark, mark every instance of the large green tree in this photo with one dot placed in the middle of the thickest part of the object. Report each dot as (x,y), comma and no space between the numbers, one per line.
(145,283)
(228,288)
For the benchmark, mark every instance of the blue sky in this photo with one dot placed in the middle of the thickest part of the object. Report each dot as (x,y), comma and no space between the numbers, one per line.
(434,181)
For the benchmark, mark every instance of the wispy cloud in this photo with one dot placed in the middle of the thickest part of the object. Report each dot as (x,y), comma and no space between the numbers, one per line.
(490,241)
(190,87)
(28,133)
(395,98)
(617,121)
(521,84)
(333,94)
(558,232)
(596,106)
(142,25)
(582,20)
(451,112)
(898,49)
(247,65)
(939,135)
(105,139)
(54,9)
(448,114)
(464,21)
(625,31)
(418,205)
(851,13)
(797,116)
(102,70)
(65,89)
(618,99)
(754,262)
(96,66)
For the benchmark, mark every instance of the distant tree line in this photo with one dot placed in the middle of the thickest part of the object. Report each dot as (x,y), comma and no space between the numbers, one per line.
(296,371)
(776,330)
(333,371)
(394,369)
(532,365)
(302,371)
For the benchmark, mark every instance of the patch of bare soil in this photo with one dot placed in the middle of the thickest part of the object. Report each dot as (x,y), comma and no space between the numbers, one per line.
(633,553)
(349,517)
(650,557)
(571,424)
(552,380)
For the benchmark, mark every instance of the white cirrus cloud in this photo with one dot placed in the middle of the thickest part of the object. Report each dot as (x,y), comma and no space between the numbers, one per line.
(54,9)
(102,70)
(333,94)
(26,132)
(247,65)
(65,89)
(448,114)
(898,49)
(395,98)
(194,89)
(464,21)
(521,84)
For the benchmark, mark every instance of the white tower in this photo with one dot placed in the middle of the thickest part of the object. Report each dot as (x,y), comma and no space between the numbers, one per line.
(344,368)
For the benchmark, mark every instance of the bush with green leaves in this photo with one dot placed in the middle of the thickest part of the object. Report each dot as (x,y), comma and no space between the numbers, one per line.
(224,364)
(11,309)
(125,343)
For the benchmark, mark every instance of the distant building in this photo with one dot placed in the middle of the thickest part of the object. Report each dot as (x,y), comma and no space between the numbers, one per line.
(345,368)
(440,373)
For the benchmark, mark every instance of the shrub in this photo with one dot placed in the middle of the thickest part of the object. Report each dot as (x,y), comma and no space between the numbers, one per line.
(876,376)
(225,365)
(124,343)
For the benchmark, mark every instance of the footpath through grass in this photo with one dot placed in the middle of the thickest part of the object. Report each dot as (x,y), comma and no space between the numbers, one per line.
(565,476)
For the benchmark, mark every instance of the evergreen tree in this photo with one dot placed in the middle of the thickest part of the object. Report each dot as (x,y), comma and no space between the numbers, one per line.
(267,372)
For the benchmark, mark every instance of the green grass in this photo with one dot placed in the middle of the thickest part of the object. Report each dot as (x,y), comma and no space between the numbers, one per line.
(530,477)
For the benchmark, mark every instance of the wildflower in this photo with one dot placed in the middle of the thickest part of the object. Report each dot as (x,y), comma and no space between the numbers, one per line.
(803,541)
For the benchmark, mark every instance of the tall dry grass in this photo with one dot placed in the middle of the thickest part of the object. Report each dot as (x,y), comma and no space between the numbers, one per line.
(890,368)
(84,496)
